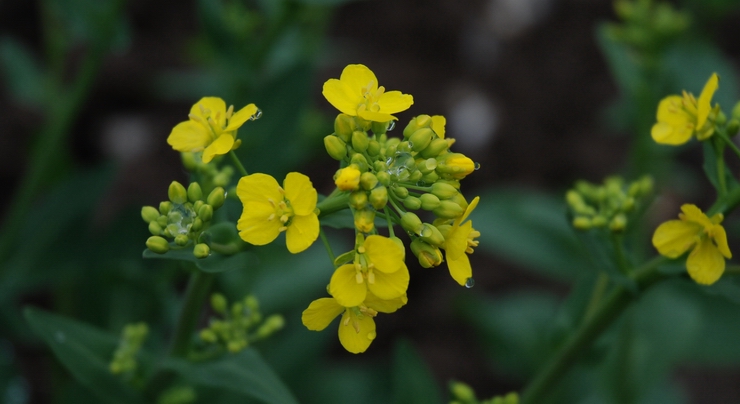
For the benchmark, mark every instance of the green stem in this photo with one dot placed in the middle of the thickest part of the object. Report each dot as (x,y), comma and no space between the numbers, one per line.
(334,203)
(719,149)
(326,245)
(416,187)
(619,250)
(391,233)
(195,295)
(238,164)
(596,295)
(728,142)
(608,311)
(726,203)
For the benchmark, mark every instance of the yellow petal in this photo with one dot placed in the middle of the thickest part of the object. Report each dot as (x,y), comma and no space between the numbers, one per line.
(215,108)
(720,239)
(390,286)
(255,227)
(356,340)
(219,147)
(664,133)
(392,102)
(385,254)
(456,241)
(376,116)
(693,214)
(189,136)
(258,188)
(670,110)
(241,116)
(460,268)
(344,287)
(704,104)
(320,313)
(300,192)
(383,305)
(302,232)
(705,263)
(335,93)
(675,237)
(357,78)
(438,125)
(471,207)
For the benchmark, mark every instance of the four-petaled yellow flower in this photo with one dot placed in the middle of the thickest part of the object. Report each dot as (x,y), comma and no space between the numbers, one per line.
(356,93)
(706,262)
(357,327)
(378,268)
(460,239)
(211,128)
(680,117)
(270,209)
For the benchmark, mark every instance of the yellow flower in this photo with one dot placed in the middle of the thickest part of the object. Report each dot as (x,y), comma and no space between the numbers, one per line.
(357,327)
(269,209)
(348,178)
(680,117)
(378,268)
(356,93)
(211,128)
(460,239)
(704,235)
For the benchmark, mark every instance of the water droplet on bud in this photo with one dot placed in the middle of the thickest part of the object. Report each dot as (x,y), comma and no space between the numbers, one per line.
(391,126)
(470,283)
(371,335)
(476,167)
(257,115)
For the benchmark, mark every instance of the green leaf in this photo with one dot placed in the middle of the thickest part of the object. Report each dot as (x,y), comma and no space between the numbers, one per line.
(413,382)
(530,229)
(710,167)
(21,73)
(244,373)
(85,351)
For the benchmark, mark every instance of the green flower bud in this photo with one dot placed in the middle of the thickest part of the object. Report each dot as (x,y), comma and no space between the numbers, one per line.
(360,141)
(618,223)
(205,213)
(157,244)
(462,392)
(194,192)
(435,148)
(155,228)
(721,119)
(365,220)
(432,235)
(401,192)
(390,150)
(628,204)
(188,161)
(252,303)
(181,240)
(379,197)
(443,190)
(235,346)
(379,128)
(598,221)
(201,250)
(415,124)
(430,178)
(646,184)
(411,222)
(219,303)
(197,224)
(573,198)
(344,125)
(344,258)
(582,223)
(426,166)
(379,166)
(216,198)
(368,181)
(404,147)
(412,202)
(384,178)
(415,176)
(208,335)
(177,193)
(197,205)
(336,147)
(358,199)
(273,323)
(162,221)
(373,148)
(149,214)
(420,139)
(360,161)
(428,255)
(429,201)
(733,126)
(448,210)
(165,207)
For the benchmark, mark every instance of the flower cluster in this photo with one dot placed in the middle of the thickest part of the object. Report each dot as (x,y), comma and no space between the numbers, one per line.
(609,205)
(132,338)
(390,178)
(182,219)
(237,328)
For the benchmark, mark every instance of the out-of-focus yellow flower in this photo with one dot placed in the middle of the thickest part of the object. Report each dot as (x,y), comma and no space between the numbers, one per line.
(357,327)
(270,209)
(703,235)
(378,268)
(460,239)
(348,178)
(210,129)
(356,93)
(680,117)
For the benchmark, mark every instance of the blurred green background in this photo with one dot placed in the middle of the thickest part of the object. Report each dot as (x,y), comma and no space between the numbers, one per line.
(540,92)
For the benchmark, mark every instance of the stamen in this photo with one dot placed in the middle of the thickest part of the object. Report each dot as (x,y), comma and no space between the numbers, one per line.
(356,325)
(371,277)
(358,277)
(271,217)
(230,112)
(284,218)
(283,228)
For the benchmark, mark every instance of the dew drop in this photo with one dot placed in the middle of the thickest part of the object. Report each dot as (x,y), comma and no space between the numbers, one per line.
(391,126)
(389,160)
(421,183)
(257,115)
(371,335)
(60,337)
(470,283)
(476,167)
(411,144)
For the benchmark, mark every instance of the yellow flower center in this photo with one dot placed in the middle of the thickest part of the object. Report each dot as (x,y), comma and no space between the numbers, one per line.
(472,242)
(283,211)
(371,98)
(363,266)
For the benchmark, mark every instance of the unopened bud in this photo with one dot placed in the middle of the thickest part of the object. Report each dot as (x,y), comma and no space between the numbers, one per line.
(411,223)
(432,235)
(208,335)
(149,214)
(358,199)
(197,225)
(177,193)
(181,240)
(582,223)
(216,198)
(618,223)
(360,141)
(379,128)
(448,210)
(401,192)
(205,213)
(271,324)
(379,197)
(429,256)
(420,139)
(429,201)
(415,124)
(426,166)
(194,192)
(219,303)
(443,190)
(455,166)
(384,178)
(365,220)
(430,178)
(335,147)
(435,148)
(165,207)
(733,126)
(157,244)
(201,250)
(347,178)
(462,392)
(344,125)
(598,221)
(188,161)
(373,148)
(368,181)
(155,228)
(412,203)
(360,161)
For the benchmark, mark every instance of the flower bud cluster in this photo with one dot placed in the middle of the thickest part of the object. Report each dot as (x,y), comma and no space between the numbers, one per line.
(239,325)
(210,175)
(609,205)
(132,338)
(178,395)
(461,393)
(180,221)
(646,26)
